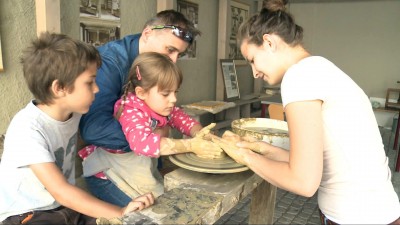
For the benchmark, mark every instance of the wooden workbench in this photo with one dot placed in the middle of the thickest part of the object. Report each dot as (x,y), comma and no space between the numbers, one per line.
(201,198)
(223,119)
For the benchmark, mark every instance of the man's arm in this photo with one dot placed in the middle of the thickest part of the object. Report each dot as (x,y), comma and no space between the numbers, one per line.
(98,126)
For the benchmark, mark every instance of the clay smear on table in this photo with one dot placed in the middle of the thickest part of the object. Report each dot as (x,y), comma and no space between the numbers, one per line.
(182,206)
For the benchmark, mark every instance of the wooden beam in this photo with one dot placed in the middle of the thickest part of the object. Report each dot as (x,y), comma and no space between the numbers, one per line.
(165,4)
(48,16)
(1,70)
(223,40)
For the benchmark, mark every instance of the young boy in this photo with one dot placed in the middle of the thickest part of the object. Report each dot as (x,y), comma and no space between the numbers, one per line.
(37,170)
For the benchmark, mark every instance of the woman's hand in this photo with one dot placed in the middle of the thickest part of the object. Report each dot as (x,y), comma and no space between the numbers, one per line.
(248,142)
(231,149)
(231,137)
(260,147)
(139,203)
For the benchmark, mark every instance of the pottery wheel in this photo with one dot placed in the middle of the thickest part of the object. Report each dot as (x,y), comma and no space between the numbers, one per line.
(221,165)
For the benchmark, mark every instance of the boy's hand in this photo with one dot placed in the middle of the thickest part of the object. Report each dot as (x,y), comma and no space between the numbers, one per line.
(139,203)
(136,204)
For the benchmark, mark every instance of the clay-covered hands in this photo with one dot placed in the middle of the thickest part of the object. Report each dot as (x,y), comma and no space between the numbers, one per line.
(205,149)
(203,133)
(238,147)
(231,137)
(202,145)
(231,149)
(248,142)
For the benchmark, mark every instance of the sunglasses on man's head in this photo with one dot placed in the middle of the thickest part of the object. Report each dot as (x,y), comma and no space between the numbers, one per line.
(177,31)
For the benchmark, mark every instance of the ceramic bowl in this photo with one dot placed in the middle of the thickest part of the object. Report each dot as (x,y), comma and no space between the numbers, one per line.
(274,132)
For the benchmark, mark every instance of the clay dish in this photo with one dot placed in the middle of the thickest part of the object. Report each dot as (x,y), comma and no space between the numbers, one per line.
(274,132)
(219,165)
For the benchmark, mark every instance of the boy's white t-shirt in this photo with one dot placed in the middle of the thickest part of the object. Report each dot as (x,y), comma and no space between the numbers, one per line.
(33,137)
(356,182)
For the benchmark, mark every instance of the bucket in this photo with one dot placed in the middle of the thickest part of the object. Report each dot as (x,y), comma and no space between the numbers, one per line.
(274,132)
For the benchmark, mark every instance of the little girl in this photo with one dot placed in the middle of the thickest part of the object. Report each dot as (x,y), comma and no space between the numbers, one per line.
(148,103)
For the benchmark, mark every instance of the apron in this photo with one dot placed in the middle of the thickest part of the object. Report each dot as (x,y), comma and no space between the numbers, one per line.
(133,174)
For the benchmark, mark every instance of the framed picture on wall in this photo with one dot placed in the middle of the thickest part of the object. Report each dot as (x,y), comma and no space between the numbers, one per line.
(231,14)
(191,11)
(99,21)
(230,79)
(239,14)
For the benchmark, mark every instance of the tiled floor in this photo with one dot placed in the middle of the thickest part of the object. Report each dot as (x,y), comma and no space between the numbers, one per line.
(295,209)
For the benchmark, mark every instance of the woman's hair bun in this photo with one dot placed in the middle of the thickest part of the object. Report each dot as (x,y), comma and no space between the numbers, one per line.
(275,5)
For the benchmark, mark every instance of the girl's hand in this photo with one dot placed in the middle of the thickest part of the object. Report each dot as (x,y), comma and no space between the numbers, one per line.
(203,133)
(139,203)
(205,149)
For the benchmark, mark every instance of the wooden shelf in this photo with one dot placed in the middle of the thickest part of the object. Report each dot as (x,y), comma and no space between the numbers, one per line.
(387,109)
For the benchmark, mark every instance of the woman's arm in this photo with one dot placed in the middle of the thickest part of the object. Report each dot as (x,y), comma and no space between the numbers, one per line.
(75,198)
(261,147)
(301,173)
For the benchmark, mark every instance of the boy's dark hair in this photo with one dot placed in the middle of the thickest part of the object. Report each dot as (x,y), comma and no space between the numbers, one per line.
(172,17)
(55,57)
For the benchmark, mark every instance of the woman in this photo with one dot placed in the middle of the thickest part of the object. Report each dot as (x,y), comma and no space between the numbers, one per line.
(335,144)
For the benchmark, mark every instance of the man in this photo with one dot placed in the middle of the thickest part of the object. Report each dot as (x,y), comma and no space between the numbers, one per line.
(169,33)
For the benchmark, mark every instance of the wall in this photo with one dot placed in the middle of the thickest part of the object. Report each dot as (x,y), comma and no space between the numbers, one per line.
(361,37)
(17,27)
(200,73)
